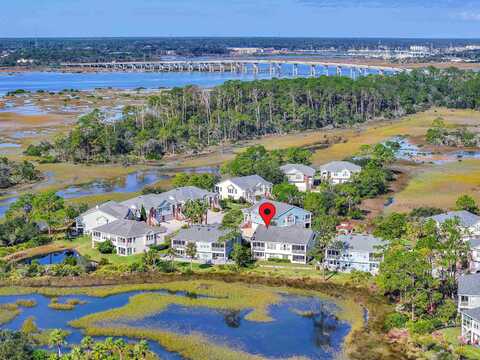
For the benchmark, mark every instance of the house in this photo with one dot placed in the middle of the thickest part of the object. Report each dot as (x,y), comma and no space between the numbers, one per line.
(354,252)
(285,215)
(299,175)
(289,243)
(339,172)
(100,215)
(468,221)
(248,188)
(468,291)
(168,205)
(129,237)
(471,326)
(474,255)
(210,245)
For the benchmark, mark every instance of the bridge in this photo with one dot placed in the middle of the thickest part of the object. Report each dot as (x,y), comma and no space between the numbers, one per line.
(270,66)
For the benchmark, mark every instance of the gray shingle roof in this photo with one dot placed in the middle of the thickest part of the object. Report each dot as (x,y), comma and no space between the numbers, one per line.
(175,196)
(338,166)
(474,242)
(280,207)
(469,284)
(289,234)
(304,169)
(466,218)
(112,208)
(251,181)
(129,228)
(201,233)
(356,242)
(473,313)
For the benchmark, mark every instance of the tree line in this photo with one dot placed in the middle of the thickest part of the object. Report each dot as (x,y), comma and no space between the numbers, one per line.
(192,118)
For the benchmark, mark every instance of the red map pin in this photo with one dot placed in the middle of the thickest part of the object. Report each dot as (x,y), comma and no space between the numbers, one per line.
(267,212)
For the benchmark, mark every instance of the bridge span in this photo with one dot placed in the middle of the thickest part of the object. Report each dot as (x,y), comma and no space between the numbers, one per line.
(270,66)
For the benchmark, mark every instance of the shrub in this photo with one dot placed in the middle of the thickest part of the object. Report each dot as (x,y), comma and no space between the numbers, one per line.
(422,326)
(106,247)
(395,320)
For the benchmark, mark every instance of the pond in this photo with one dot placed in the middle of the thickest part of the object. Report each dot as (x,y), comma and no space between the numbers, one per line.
(52,258)
(302,326)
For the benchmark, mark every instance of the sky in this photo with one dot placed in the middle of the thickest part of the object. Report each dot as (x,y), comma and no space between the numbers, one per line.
(292,18)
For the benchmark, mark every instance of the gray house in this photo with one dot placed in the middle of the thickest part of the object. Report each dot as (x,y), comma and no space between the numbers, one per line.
(209,240)
(338,172)
(469,307)
(354,252)
(302,176)
(129,237)
(468,221)
(289,243)
(244,187)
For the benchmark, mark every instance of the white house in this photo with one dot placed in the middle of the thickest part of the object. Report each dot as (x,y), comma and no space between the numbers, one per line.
(100,215)
(289,243)
(338,172)
(468,221)
(129,237)
(248,188)
(208,240)
(302,176)
(354,252)
(474,255)
(468,291)
(285,215)
(471,326)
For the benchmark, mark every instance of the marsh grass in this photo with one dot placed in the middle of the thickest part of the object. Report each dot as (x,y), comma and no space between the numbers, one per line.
(8,312)
(70,304)
(28,303)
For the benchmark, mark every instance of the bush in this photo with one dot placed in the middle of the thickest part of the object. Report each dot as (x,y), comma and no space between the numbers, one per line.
(422,326)
(106,247)
(395,320)
(281,261)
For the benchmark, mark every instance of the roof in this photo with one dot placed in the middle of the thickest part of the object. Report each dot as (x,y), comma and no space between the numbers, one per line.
(304,169)
(338,166)
(280,207)
(290,234)
(202,233)
(466,218)
(112,208)
(174,196)
(474,242)
(359,242)
(473,313)
(128,228)
(248,182)
(469,284)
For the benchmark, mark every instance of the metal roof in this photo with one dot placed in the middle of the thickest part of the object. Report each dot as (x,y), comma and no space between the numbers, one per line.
(286,234)
(466,218)
(360,242)
(338,166)
(304,169)
(202,233)
(469,284)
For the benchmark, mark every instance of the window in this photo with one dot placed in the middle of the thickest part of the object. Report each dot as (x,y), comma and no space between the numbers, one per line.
(96,234)
(298,258)
(178,243)
(258,245)
(258,254)
(298,248)
(271,246)
(333,253)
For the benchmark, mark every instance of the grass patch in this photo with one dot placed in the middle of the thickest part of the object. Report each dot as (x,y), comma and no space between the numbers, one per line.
(8,312)
(451,335)
(68,305)
(28,303)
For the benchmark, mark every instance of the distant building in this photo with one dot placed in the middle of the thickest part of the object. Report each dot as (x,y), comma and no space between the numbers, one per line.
(129,237)
(208,240)
(339,172)
(469,222)
(474,255)
(354,252)
(289,243)
(302,176)
(248,188)
(286,215)
(169,205)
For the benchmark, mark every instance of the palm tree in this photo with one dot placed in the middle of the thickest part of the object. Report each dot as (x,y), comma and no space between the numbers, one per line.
(87,344)
(57,338)
(191,252)
(119,346)
(172,253)
(140,349)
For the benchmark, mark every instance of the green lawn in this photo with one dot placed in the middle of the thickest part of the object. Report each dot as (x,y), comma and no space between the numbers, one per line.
(451,336)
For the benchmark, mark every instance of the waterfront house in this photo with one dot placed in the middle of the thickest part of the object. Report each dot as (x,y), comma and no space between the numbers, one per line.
(302,176)
(129,237)
(354,252)
(210,241)
(247,188)
(291,243)
(471,326)
(338,172)
(100,215)
(468,291)
(168,205)
(469,222)
(285,215)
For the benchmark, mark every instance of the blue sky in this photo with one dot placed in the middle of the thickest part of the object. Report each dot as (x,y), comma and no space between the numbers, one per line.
(315,18)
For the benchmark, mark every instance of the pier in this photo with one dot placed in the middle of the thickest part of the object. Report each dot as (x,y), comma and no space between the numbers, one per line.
(272,67)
